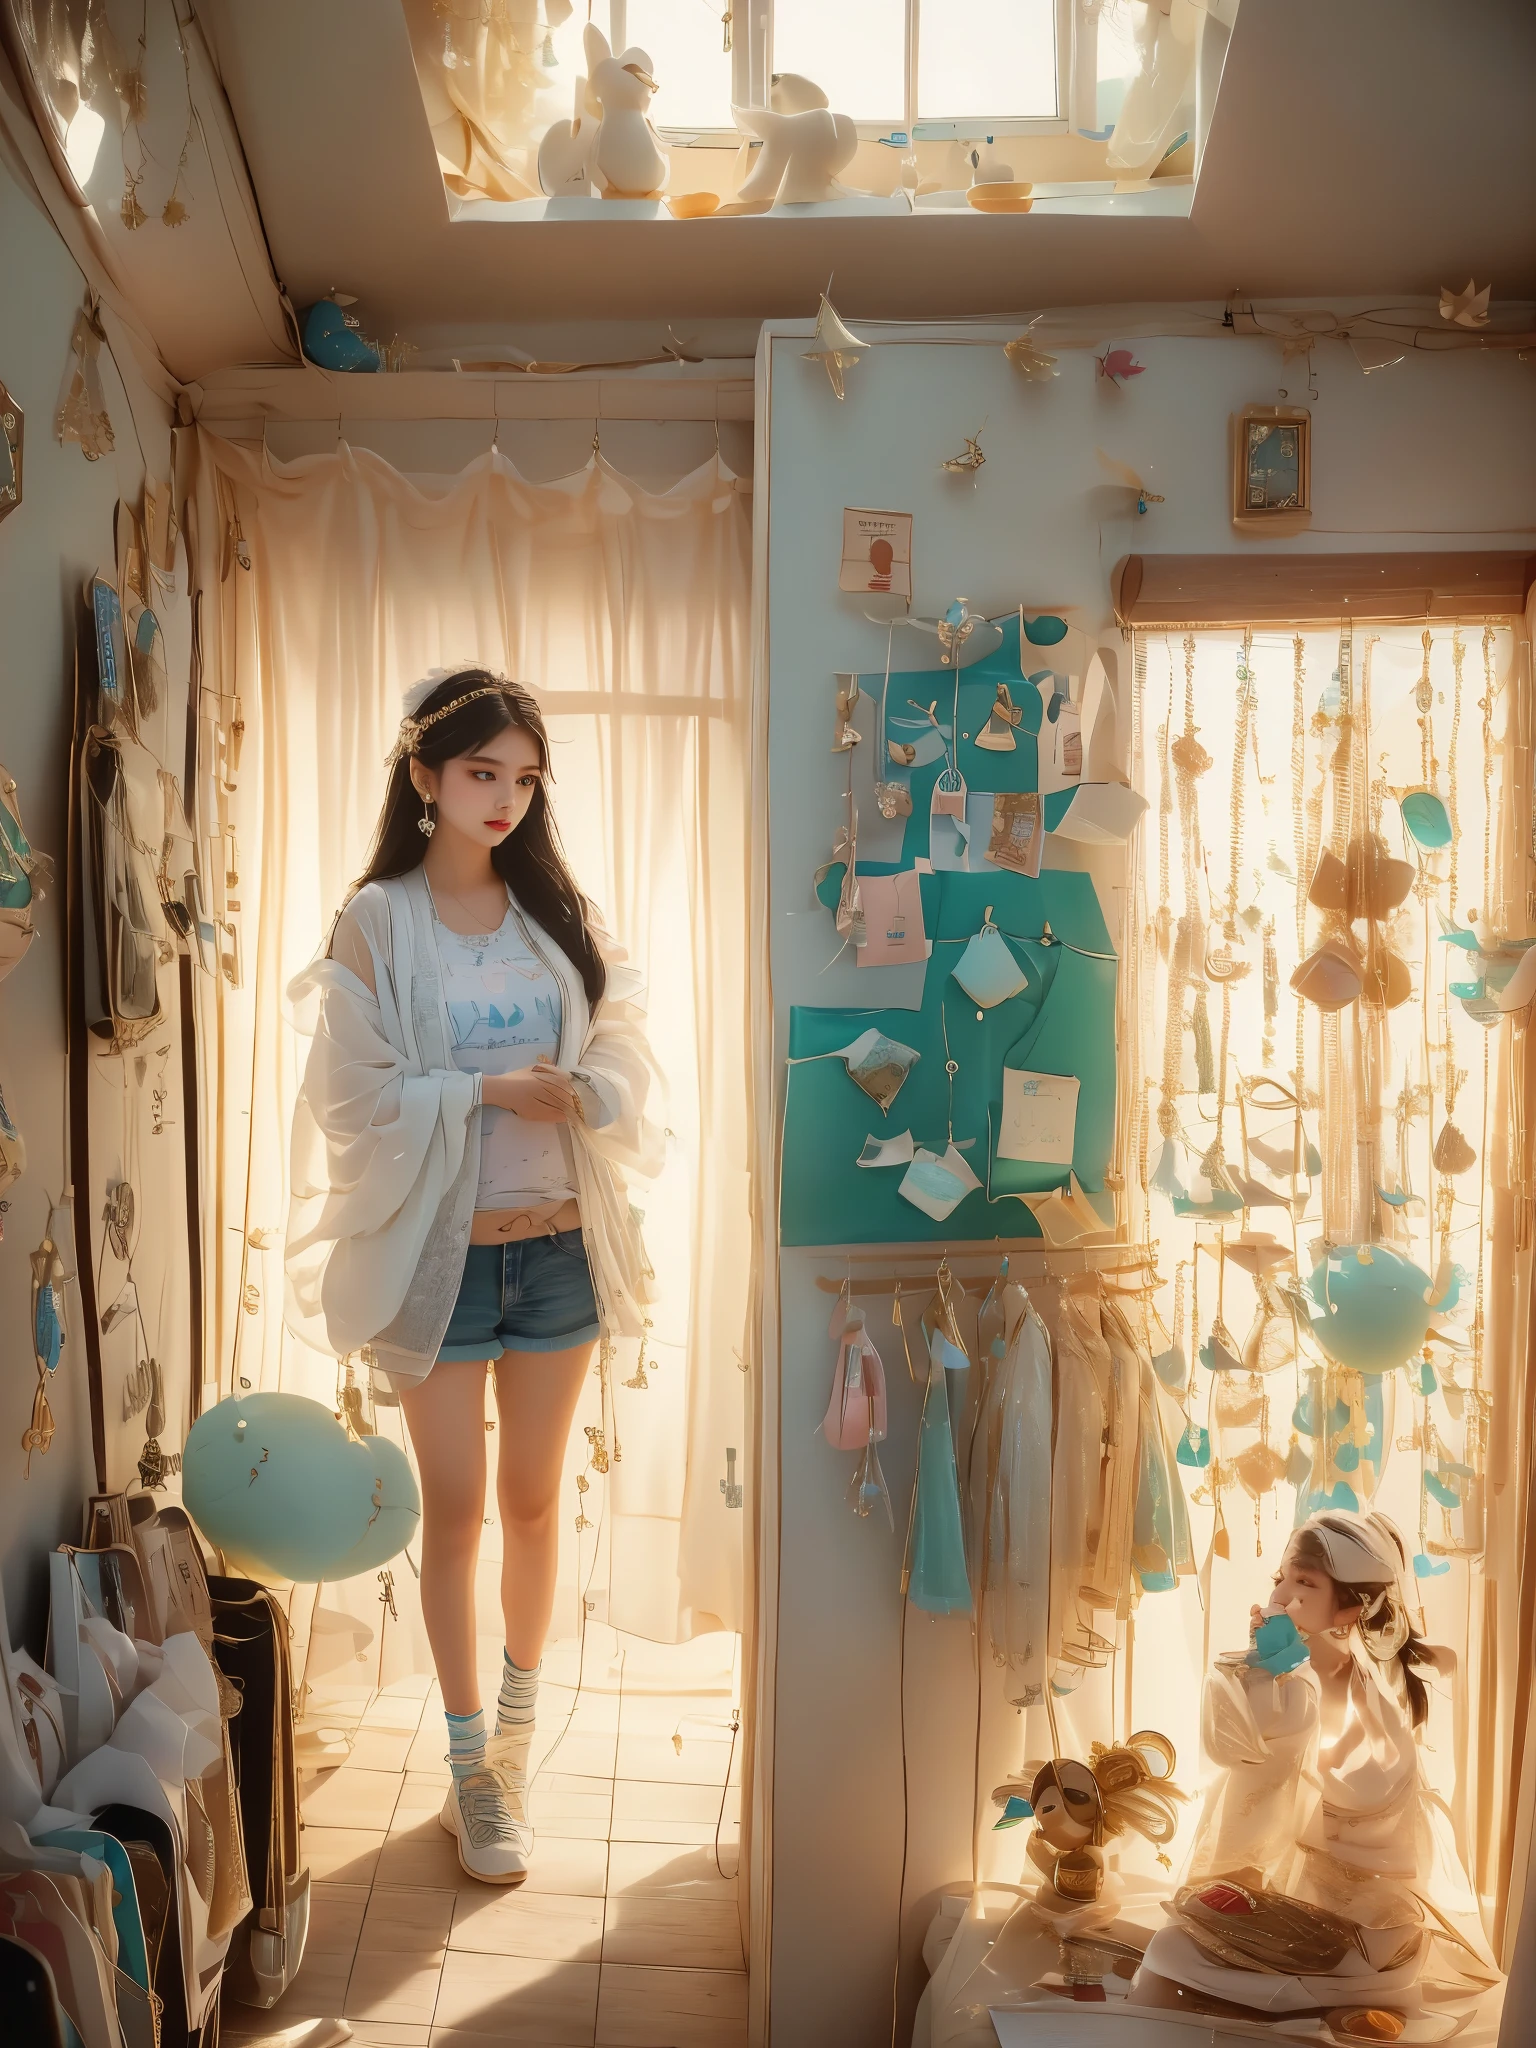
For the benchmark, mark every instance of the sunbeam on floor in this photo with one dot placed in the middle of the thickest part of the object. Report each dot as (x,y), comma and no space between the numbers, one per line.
(627,1930)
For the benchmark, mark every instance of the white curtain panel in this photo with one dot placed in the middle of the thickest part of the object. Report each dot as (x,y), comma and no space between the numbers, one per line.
(627,613)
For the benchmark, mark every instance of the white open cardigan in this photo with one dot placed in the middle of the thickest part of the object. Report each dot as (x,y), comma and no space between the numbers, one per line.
(386,1141)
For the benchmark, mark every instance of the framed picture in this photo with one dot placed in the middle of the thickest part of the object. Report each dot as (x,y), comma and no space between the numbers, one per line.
(1272,467)
(877,553)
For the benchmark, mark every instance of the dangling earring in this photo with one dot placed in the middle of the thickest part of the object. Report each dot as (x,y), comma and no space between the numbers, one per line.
(426,824)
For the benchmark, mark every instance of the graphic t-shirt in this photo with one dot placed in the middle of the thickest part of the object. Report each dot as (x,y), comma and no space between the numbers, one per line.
(504,1013)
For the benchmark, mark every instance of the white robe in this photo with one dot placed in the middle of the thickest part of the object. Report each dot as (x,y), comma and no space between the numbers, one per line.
(386,1138)
(1350,1825)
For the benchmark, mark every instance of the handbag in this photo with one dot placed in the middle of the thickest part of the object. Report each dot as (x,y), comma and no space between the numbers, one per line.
(122,996)
(251,1646)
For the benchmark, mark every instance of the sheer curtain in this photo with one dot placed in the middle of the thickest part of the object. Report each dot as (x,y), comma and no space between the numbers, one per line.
(1262,1130)
(627,612)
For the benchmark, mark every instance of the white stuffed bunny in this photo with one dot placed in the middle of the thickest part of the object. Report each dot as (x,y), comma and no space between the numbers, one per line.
(805,145)
(611,144)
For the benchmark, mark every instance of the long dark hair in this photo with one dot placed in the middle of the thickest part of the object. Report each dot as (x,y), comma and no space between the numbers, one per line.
(1310,1550)
(530,860)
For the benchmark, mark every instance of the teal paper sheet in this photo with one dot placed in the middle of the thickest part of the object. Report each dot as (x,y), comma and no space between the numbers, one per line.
(1062,1023)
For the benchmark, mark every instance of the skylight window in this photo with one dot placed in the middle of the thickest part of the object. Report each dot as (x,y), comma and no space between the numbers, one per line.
(921,67)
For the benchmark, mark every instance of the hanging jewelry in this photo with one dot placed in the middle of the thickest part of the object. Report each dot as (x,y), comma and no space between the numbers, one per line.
(47,1344)
(640,1379)
(426,824)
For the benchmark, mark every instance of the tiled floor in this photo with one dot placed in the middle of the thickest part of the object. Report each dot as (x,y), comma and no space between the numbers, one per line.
(626,1933)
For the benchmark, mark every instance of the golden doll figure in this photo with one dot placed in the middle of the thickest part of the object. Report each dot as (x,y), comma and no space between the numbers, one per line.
(1323,1883)
(1079,1808)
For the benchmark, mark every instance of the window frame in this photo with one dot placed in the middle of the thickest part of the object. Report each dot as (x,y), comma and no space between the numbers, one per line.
(752,33)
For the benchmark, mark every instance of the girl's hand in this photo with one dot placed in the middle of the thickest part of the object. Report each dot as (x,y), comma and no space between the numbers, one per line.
(542,1093)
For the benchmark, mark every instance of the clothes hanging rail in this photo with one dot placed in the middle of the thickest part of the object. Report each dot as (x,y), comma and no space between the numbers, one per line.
(1027,1260)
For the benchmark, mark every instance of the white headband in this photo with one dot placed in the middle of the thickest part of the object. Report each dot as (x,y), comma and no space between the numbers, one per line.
(1362,1550)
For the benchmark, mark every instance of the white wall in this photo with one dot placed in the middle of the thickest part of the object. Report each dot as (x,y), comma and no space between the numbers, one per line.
(60,533)
(1431,452)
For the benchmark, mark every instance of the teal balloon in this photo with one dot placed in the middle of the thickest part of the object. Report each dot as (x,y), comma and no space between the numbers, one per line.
(1346,1458)
(398,1517)
(331,343)
(1430,1567)
(1427,821)
(277,1484)
(1044,630)
(1370,1318)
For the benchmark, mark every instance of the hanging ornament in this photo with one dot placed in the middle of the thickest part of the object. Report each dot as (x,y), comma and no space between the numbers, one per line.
(1118,365)
(1375,1307)
(1468,308)
(836,348)
(47,1344)
(967,463)
(1122,473)
(1028,359)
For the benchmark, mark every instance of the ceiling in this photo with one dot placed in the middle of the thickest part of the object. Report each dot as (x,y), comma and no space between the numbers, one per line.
(1381,147)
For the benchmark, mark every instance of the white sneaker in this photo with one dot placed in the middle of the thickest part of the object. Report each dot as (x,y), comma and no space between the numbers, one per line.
(506,1758)
(494,1845)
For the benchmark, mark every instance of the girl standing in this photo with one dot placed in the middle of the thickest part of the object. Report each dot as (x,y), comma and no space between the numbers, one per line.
(474,1097)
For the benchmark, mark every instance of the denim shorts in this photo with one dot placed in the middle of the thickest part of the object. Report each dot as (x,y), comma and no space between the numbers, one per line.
(533,1295)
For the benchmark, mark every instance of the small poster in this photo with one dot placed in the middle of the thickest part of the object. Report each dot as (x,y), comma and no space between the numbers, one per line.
(877,553)
(1018,837)
(1039,1117)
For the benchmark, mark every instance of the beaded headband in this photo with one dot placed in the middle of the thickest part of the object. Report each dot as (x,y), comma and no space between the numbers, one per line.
(412,728)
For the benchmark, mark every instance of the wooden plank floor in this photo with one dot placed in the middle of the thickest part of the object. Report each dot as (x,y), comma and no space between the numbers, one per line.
(626,1933)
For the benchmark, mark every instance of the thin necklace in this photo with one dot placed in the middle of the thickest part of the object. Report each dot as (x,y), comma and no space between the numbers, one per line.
(452,898)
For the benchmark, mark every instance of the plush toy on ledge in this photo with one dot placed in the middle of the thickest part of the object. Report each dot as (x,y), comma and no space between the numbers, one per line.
(805,144)
(610,144)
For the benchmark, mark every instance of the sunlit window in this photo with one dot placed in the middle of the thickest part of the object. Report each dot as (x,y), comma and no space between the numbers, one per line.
(685,41)
(987,60)
(951,66)
(856,50)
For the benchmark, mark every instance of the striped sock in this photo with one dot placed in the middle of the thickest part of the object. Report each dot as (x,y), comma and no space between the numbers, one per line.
(466,1742)
(518,1699)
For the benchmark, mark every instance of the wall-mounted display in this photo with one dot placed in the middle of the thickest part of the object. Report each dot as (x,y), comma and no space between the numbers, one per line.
(1008,1075)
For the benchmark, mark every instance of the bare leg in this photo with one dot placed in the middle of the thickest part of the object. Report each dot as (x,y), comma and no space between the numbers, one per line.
(536,1395)
(446,1418)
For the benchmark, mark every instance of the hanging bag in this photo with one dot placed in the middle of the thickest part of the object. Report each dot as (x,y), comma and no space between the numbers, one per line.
(122,996)
(987,970)
(251,1646)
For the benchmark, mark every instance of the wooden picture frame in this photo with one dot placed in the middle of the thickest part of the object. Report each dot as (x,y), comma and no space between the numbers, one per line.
(12,432)
(1272,468)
